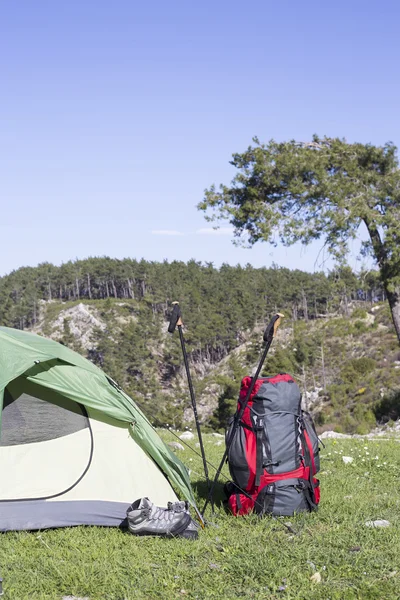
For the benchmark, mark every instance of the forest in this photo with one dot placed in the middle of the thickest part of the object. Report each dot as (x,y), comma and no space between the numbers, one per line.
(229,297)
(222,308)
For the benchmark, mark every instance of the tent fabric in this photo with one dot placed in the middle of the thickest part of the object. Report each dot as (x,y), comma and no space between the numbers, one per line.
(100,462)
(28,419)
(29,362)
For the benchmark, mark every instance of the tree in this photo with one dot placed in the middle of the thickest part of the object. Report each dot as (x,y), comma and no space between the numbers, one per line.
(324,189)
(227,403)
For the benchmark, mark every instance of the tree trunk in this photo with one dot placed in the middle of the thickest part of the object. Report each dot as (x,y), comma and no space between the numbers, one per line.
(323,367)
(88,284)
(394,303)
(346,304)
(305,306)
(294,311)
(388,272)
(131,294)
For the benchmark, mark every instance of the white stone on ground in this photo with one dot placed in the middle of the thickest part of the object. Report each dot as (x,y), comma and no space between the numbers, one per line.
(175,446)
(333,434)
(186,435)
(378,523)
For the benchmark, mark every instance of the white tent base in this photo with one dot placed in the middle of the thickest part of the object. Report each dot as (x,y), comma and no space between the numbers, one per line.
(43,514)
(89,477)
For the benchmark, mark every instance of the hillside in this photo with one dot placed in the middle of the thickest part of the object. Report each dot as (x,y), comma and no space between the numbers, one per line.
(345,366)
(337,338)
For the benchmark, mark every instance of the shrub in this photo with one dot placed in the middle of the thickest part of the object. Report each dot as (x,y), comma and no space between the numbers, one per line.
(388,408)
(359,313)
(357,367)
(360,327)
(282,361)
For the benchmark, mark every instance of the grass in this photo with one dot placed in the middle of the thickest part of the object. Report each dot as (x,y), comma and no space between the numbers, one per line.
(233,557)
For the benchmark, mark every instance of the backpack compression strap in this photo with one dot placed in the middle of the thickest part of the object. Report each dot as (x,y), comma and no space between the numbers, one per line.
(309,489)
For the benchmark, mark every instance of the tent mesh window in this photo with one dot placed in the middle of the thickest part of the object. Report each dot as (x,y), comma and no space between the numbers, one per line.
(27,419)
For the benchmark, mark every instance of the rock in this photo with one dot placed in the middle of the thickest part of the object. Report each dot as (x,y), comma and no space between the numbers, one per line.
(207,401)
(82,320)
(219,443)
(311,398)
(369,320)
(219,435)
(186,435)
(316,578)
(175,446)
(347,459)
(333,434)
(378,523)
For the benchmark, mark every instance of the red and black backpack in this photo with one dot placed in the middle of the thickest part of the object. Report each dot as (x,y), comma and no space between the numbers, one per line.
(273,456)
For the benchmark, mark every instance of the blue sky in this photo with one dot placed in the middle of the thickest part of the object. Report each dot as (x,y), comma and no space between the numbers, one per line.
(115,116)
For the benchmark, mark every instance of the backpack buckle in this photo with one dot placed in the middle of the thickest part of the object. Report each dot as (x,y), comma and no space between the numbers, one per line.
(259,424)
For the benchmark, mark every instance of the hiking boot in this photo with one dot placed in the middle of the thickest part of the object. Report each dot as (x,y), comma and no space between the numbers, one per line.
(144,518)
(192,530)
(182,506)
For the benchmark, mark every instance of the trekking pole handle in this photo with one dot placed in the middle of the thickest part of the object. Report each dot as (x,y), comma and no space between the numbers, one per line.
(175,317)
(272,327)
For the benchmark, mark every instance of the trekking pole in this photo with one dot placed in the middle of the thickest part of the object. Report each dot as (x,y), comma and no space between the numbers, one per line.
(269,335)
(176,321)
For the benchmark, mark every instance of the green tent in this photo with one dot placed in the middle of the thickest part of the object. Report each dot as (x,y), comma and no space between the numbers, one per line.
(71,436)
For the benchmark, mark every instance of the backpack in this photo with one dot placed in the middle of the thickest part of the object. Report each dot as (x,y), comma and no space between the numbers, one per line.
(274,453)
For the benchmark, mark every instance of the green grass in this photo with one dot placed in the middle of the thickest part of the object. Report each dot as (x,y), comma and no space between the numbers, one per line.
(234,557)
